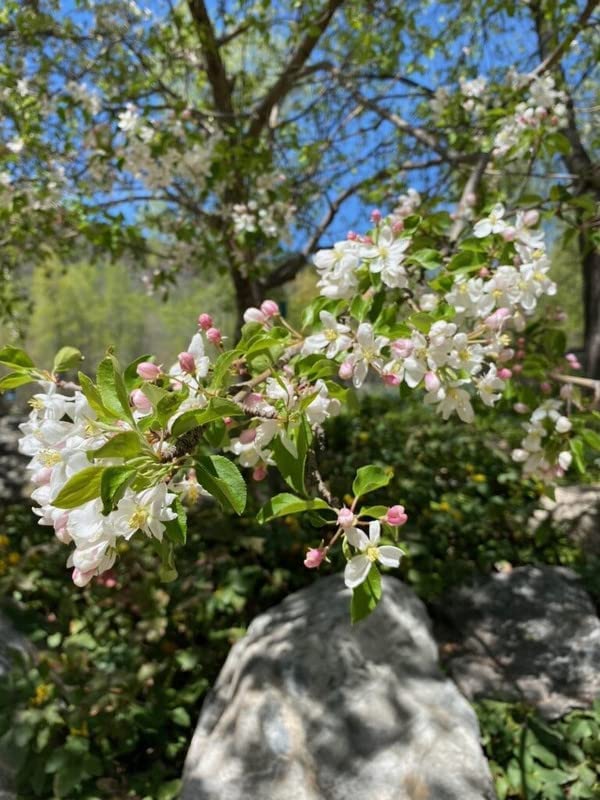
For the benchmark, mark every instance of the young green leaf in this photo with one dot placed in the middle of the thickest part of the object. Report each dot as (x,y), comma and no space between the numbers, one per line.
(292,468)
(83,486)
(112,388)
(366,596)
(177,528)
(14,379)
(92,395)
(223,480)
(123,445)
(283,504)
(113,484)
(370,478)
(67,358)
(15,357)
(218,408)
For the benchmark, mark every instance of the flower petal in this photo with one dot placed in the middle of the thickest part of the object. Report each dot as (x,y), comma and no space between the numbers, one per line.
(356,571)
(389,555)
(357,538)
(374,531)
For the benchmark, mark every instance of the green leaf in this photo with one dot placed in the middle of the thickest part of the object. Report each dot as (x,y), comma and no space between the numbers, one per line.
(370,478)
(112,388)
(283,504)
(167,571)
(15,357)
(222,366)
(217,408)
(223,480)
(130,376)
(177,528)
(181,717)
(373,511)
(92,395)
(578,456)
(113,484)
(292,468)
(427,258)
(366,596)
(13,380)
(591,438)
(67,358)
(83,486)
(168,405)
(123,445)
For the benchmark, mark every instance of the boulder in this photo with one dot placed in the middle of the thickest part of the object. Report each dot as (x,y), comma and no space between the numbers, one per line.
(576,509)
(529,634)
(309,707)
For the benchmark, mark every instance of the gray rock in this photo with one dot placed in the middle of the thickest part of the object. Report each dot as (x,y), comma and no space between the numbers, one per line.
(530,634)
(308,707)
(10,640)
(577,508)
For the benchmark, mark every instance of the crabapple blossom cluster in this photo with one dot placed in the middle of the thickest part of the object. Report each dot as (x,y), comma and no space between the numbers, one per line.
(124,455)
(544,450)
(544,109)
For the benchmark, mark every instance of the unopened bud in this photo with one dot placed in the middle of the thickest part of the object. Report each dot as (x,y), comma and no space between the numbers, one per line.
(254,315)
(396,516)
(214,335)
(314,557)
(140,401)
(259,473)
(205,321)
(270,308)
(531,217)
(148,371)
(432,382)
(346,369)
(375,216)
(402,348)
(346,518)
(187,362)
(505,373)
(248,436)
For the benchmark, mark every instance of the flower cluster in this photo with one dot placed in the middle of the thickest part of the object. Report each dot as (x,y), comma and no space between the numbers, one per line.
(543,451)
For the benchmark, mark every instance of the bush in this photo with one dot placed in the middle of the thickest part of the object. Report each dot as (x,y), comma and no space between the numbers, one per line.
(108,707)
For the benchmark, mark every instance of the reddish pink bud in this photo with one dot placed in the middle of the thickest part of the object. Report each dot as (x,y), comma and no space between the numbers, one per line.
(432,382)
(187,362)
(254,315)
(314,557)
(546,387)
(520,354)
(508,234)
(531,217)
(375,216)
(228,421)
(205,321)
(398,226)
(148,371)
(517,369)
(505,373)
(345,371)
(214,335)
(521,408)
(345,518)
(391,379)
(402,348)
(496,320)
(352,236)
(269,308)
(521,341)
(253,400)
(110,583)
(484,272)
(396,516)
(247,436)
(365,240)
(140,401)
(259,473)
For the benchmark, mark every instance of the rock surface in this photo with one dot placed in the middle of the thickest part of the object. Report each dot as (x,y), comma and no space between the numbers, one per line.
(578,509)
(308,707)
(9,640)
(13,475)
(530,634)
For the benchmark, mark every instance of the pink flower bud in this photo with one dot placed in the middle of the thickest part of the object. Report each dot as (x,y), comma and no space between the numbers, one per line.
(496,320)
(247,436)
(531,217)
(375,216)
(521,408)
(345,518)
(391,379)
(432,382)
(546,387)
(82,578)
(227,421)
(205,321)
(314,557)
(140,401)
(253,400)
(396,516)
(398,226)
(254,315)
(352,236)
(508,234)
(517,369)
(484,272)
(521,341)
(505,373)
(402,348)
(214,335)
(520,354)
(187,362)
(148,371)
(269,308)
(365,240)
(346,369)
(259,473)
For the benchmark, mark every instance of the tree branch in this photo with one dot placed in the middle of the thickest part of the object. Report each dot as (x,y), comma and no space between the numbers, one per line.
(289,74)
(215,69)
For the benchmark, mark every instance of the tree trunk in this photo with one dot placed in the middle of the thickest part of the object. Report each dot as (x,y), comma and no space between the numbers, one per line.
(247,293)
(590,259)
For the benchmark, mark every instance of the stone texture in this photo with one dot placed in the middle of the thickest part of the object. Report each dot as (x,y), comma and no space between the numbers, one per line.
(308,707)
(9,640)
(13,475)
(529,634)
(577,508)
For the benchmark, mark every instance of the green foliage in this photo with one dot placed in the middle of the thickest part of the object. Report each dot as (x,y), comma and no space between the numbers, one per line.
(538,760)
(366,596)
